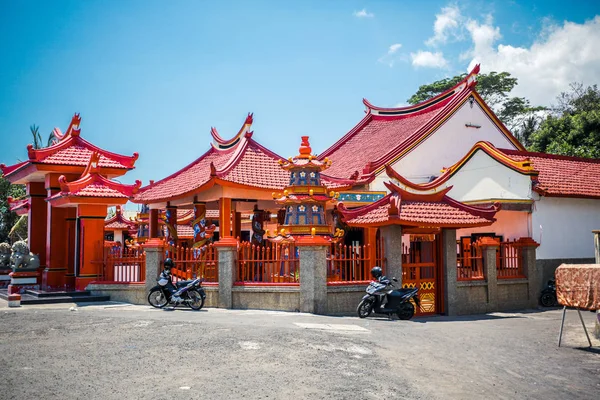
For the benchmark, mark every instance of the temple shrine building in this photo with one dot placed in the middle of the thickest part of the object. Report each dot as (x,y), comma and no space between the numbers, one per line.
(440,194)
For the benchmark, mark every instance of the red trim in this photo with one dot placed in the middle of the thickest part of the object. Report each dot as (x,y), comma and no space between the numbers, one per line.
(344,283)
(8,169)
(525,153)
(474,71)
(245,128)
(268,284)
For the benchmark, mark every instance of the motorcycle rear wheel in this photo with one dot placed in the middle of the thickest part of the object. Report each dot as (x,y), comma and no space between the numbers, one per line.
(548,300)
(157,299)
(406,311)
(364,308)
(197,300)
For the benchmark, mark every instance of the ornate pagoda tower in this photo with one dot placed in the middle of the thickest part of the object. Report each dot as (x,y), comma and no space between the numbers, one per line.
(305,199)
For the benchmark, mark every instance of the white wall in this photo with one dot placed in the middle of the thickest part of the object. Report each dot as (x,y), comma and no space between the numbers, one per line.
(481,178)
(509,224)
(450,143)
(566,227)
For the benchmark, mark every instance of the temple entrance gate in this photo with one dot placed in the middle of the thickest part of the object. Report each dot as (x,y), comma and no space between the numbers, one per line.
(422,268)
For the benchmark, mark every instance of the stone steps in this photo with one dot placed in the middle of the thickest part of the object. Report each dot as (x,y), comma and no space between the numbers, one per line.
(42,297)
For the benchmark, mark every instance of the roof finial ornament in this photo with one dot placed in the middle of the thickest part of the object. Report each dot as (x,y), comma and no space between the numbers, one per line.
(305,149)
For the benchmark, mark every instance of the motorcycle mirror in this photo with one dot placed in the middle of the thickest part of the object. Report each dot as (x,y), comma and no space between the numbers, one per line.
(395,280)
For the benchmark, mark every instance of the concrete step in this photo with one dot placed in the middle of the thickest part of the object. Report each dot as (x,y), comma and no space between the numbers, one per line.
(40,297)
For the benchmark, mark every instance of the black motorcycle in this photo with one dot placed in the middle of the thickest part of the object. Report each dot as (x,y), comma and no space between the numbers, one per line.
(191,293)
(548,297)
(384,298)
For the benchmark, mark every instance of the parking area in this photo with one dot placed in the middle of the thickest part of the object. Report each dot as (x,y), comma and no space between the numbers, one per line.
(115,351)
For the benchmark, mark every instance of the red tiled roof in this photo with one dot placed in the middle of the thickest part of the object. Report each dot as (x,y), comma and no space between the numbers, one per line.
(71,149)
(118,221)
(418,210)
(18,206)
(385,133)
(92,184)
(117,225)
(185,231)
(245,163)
(562,176)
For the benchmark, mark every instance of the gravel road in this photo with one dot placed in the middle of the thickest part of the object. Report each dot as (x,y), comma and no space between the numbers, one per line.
(113,351)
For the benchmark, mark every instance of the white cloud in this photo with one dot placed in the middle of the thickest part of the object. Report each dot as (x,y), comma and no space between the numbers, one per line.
(562,54)
(391,57)
(363,14)
(394,48)
(446,24)
(428,59)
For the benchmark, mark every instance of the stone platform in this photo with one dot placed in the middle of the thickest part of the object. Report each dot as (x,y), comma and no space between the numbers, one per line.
(43,297)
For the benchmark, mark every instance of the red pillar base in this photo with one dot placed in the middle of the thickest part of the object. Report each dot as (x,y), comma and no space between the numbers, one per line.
(54,279)
(70,282)
(4,278)
(22,281)
(81,282)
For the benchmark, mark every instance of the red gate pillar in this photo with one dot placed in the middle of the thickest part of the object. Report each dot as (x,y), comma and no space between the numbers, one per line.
(54,276)
(90,236)
(224,217)
(153,224)
(70,249)
(37,220)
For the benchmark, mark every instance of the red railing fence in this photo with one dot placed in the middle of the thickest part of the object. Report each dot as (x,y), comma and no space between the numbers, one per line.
(469,262)
(510,261)
(353,263)
(270,264)
(123,264)
(190,263)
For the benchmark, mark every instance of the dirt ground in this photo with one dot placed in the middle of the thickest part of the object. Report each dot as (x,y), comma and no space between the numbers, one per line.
(114,351)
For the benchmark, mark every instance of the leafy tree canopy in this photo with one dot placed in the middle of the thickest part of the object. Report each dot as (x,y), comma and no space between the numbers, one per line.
(7,217)
(574,127)
(495,90)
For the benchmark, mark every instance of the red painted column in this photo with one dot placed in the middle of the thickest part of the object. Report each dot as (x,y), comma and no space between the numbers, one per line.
(224,218)
(53,276)
(90,242)
(69,243)
(37,220)
(153,224)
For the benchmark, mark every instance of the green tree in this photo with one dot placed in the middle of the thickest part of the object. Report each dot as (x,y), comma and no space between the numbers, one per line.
(573,129)
(495,90)
(7,217)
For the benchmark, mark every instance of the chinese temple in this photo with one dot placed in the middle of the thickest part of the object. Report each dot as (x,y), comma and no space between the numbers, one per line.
(432,183)
(68,191)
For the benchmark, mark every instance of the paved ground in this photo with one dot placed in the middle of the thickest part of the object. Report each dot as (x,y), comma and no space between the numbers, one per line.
(113,351)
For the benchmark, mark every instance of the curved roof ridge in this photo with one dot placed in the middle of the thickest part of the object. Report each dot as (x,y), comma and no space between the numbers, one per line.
(523,167)
(351,213)
(91,176)
(467,82)
(223,144)
(548,155)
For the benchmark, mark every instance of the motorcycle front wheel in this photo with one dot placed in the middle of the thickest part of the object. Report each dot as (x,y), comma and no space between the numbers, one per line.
(548,300)
(196,300)
(157,299)
(406,311)
(364,308)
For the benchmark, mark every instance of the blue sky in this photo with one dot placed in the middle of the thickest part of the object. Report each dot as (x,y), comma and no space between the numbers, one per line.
(154,76)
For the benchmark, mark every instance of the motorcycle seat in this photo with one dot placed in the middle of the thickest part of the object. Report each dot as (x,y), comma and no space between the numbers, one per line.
(404,292)
(184,283)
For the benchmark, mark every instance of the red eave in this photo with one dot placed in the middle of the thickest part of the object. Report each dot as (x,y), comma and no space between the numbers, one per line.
(418,210)
(18,206)
(562,176)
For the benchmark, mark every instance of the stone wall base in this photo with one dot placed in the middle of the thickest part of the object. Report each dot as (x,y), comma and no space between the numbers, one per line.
(280,298)
(473,298)
(343,300)
(133,293)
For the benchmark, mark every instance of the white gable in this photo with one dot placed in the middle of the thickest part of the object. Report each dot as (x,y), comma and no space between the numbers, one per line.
(481,178)
(452,140)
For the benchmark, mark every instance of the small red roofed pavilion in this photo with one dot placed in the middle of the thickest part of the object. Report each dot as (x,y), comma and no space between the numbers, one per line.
(52,227)
(120,226)
(90,195)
